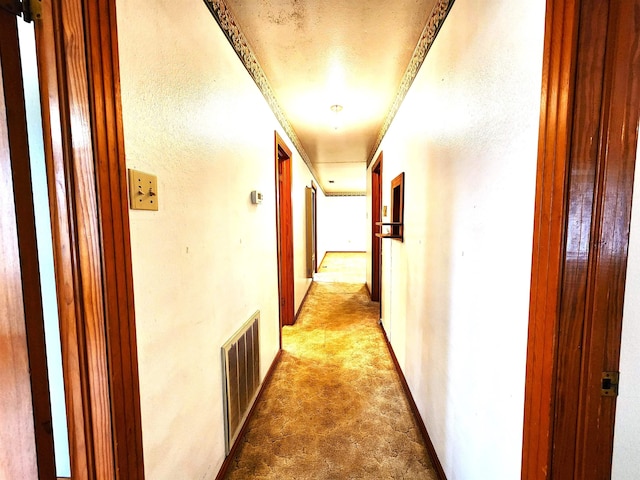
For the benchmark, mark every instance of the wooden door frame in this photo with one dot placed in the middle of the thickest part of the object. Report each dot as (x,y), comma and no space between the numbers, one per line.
(311,230)
(77,55)
(376,216)
(284,227)
(314,201)
(585,292)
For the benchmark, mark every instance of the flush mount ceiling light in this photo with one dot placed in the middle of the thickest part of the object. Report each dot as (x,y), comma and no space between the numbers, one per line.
(336,109)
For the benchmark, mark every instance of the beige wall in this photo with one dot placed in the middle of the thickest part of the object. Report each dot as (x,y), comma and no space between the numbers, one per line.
(207,259)
(456,291)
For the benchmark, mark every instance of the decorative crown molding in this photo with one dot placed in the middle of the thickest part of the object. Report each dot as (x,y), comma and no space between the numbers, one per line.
(238,41)
(436,19)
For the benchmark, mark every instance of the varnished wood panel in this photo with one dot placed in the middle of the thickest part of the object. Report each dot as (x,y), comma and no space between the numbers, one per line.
(109,157)
(620,114)
(588,139)
(581,190)
(549,229)
(78,63)
(56,119)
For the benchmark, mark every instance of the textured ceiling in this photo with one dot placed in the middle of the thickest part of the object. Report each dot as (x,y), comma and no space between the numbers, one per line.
(316,54)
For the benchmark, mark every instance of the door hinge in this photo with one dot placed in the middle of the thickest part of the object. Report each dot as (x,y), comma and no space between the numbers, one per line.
(609,384)
(29,10)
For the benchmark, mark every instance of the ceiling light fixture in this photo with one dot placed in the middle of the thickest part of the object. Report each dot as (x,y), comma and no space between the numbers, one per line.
(336,109)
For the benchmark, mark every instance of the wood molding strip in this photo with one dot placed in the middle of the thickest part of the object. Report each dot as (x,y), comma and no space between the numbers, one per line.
(549,233)
(108,135)
(78,68)
(57,147)
(234,448)
(414,409)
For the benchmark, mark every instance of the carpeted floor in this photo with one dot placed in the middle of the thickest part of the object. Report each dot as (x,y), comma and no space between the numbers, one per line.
(335,408)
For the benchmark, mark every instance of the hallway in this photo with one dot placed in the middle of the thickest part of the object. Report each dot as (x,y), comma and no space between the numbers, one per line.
(334,407)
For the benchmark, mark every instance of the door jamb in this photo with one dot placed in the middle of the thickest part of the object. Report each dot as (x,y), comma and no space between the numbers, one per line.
(552,210)
(284,229)
(376,217)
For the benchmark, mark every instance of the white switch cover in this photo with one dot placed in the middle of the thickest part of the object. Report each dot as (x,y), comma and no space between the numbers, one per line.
(143,190)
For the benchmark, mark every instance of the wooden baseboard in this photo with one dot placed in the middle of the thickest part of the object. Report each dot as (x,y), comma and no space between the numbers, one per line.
(414,408)
(234,448)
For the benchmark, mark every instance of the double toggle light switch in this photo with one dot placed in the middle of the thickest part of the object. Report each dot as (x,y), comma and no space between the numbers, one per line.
(143,190)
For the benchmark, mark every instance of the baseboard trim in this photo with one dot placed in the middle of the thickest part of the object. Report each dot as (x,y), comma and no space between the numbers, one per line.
(304,299)
(414,409)
(234,449)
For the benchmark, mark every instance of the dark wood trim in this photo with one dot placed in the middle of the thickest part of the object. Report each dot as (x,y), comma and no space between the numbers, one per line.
(582,180)
(79,78)
(315,226)
(109,155)
(376,218)
(234,448)
(397,209)
(58,147)
(548,238)
(414,409)
(586,160)
(610,226)
(284,225)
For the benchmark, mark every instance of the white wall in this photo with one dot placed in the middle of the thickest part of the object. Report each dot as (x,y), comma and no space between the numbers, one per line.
(207,259)
(456,291)
(342,224)
(626,461)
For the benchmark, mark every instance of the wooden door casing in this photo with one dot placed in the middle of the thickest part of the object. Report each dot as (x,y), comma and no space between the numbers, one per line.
(76,43)
(588,138)
(284,225)
(376,217)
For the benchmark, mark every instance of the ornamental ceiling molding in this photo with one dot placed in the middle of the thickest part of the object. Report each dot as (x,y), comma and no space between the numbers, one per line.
(345,194)
(436,19)
(238,41)
(230,28)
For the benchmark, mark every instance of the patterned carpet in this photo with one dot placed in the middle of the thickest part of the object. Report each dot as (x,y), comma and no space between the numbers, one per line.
(335,408)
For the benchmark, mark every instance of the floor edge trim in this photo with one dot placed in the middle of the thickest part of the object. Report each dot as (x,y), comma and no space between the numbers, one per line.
(234,449)
(414,409)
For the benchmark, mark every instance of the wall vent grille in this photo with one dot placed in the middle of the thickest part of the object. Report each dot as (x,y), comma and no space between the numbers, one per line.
(241,376)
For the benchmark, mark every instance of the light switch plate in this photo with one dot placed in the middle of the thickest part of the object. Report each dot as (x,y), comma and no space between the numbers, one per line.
(143,190)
